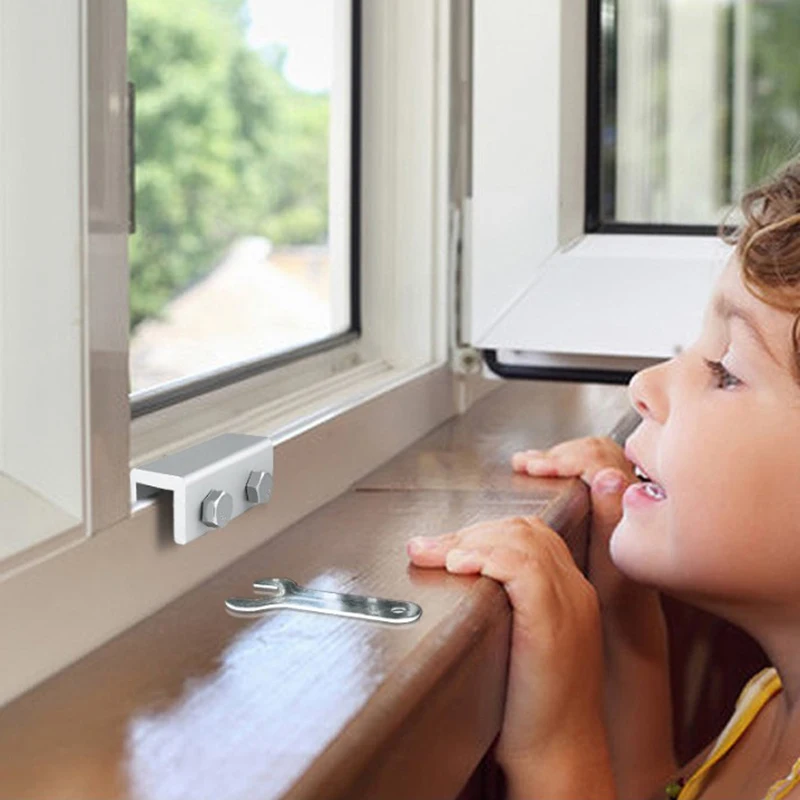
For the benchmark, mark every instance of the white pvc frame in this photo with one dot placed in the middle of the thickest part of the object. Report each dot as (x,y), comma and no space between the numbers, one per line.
(404,94)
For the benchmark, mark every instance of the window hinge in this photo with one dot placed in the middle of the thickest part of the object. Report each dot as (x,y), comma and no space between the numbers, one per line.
(465,359)
(455,244)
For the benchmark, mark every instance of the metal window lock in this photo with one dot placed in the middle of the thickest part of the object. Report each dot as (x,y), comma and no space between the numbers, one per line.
(211,483)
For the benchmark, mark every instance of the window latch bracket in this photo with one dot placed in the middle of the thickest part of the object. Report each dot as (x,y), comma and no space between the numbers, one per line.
(211,482)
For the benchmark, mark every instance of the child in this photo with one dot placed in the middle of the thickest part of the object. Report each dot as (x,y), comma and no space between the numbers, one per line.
(715,523)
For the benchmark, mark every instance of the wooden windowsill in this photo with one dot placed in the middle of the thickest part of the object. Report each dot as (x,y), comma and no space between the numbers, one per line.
(193,703)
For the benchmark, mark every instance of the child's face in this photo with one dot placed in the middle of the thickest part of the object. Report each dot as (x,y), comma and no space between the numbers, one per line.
(726,451)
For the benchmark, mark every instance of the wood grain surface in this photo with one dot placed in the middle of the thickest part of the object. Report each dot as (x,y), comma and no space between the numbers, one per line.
(473,452)
(193,703)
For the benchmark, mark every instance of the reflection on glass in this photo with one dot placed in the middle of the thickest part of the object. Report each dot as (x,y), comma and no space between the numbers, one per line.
(237,110)
(699,100)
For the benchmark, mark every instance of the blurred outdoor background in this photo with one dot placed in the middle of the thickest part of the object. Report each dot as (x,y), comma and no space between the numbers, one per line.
(700,99)
(231,258)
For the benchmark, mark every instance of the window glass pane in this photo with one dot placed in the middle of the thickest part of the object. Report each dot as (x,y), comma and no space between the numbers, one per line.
(41,329)
(699,99)
(242,142)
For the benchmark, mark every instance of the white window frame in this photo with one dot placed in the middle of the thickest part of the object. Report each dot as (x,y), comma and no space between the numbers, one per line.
(539,290)
(402,289)
(350,409)
(179,424)
(343,203)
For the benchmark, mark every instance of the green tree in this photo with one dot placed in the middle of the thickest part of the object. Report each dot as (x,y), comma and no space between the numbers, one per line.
(225,146)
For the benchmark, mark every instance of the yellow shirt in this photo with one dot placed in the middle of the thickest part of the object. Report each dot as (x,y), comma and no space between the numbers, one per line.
(752,699)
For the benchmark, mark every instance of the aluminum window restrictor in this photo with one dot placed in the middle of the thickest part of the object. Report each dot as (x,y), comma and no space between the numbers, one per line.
(211,482)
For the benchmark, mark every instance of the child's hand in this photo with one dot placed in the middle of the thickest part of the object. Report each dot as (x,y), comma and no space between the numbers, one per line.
(634,630)
(600,463)
(554,703)
(580,458)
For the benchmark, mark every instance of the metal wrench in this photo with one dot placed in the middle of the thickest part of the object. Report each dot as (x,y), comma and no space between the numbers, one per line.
(285,593)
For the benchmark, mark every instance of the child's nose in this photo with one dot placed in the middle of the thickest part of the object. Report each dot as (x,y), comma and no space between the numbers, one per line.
(647,394)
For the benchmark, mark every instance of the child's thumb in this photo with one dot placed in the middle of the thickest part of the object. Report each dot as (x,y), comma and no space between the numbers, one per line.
(607,489)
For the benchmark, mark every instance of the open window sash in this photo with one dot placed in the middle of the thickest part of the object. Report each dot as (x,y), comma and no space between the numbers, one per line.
(540,297)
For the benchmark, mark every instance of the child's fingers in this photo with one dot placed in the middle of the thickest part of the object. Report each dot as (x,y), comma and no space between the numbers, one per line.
(607,489)
(518,533)
(579,458)
(430,551)
(526,576)
(564,463)
(468,561)
(519,461)
(565,460)
(530,578)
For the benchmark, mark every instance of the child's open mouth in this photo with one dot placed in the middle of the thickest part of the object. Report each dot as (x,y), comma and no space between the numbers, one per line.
(655,491)
(646,488)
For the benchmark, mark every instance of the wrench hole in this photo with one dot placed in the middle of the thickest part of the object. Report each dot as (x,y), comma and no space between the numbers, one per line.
(398,610)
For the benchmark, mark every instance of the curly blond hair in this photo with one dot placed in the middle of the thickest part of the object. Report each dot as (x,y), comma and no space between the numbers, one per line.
(767,244)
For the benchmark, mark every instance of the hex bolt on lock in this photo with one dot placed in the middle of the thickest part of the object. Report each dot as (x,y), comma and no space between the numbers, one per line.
(217,509)
(258,488)
(285,593)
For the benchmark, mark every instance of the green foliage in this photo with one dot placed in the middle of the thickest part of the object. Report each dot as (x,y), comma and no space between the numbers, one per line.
(774,102)
(225,146)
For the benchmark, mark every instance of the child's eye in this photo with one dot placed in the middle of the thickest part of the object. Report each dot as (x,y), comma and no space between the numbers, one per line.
(725,379)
